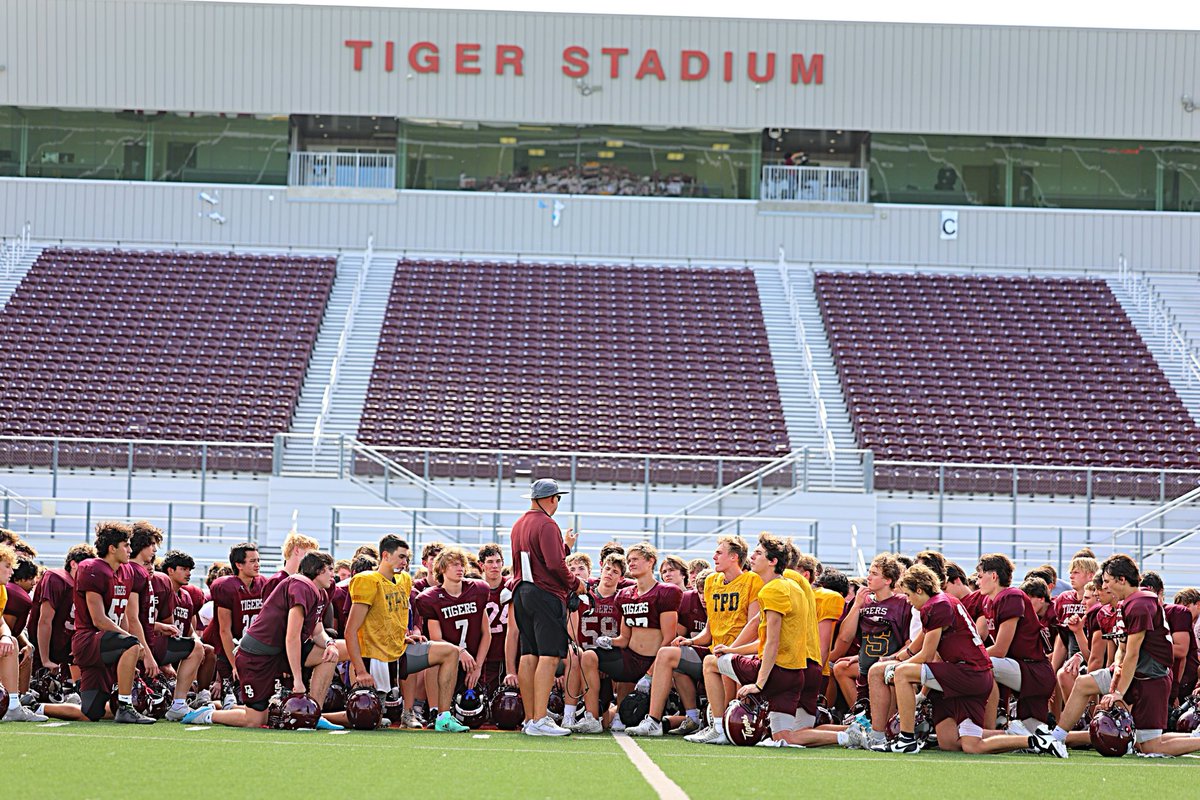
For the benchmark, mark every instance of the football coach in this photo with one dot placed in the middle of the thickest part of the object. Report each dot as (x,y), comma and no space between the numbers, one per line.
(541,585)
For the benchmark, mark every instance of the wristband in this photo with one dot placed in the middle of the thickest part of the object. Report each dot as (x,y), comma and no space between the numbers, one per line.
(756,686)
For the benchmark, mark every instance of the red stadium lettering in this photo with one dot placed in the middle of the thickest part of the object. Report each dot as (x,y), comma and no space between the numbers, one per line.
(727,72)
(687,57)
(576,65)
(358,45)
(466,59)
(752,68)
(389,56)
(423,57)
(510,55)
(812,72)
(614,59)
(651,65)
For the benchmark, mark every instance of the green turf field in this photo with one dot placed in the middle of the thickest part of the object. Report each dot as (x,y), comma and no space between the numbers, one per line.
(167,760)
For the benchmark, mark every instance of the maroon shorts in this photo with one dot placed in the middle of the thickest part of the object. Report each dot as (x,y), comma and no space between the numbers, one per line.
(813,681)
(784,686)
(492,674)
(623,665)
(1037,684)
(1149,701)
(964,692)
(257,675)
(171,649)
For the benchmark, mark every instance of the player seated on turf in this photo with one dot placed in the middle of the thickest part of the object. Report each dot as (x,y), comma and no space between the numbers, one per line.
(1142,675)
(236,599)
(177,568)
(954,668)
(772,665)
(52,619)
(491,562)
(100,646)
(880,620)
(151,594)
(295,547)
(601,617)
(1019,659)
(455,609)
(731,600)
(284,638)
(649,615)
(381,649)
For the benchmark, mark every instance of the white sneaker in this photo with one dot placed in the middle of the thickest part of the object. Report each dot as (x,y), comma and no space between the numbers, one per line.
(545,727)
(586,724)
(647,727)
(229,702)
(203,698)
(617,725)
(22,714)
(1017,728)
(412,720)
(700,735)
(857,738)
(685,728)
(73,699)
(718,737)
(709,735)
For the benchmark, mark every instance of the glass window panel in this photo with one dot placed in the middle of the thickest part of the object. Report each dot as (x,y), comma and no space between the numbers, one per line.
(87,144)
(216,149)
(11,123)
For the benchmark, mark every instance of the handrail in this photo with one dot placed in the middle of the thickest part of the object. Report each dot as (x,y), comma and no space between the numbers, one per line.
(814,184)
(1162,321)
(856,551)
(1178,540)
(15,249)
(357,448)
(729,488)
(1155,514)
(342,170)
(810,372)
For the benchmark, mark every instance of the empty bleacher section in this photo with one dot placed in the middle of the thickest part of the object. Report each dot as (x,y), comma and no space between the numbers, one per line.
(582,358)
(157,345)
(1004,370)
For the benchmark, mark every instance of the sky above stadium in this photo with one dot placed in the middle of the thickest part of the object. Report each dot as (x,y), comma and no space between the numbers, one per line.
(1152,14)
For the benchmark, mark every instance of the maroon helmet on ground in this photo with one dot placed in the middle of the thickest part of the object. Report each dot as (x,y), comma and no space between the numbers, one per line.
(556,706)
(1188,721)
(364,709)
(48,686)
(746,722)
(297,712)
(335,698)
(1111,731)
(508,712)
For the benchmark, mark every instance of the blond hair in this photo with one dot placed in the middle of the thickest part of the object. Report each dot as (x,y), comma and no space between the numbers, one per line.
(298,541)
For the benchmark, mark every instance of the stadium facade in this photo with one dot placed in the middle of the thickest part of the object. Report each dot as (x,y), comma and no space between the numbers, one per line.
(1050,143)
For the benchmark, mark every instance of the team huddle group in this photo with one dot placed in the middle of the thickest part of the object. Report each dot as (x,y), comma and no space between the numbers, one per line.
(763,646)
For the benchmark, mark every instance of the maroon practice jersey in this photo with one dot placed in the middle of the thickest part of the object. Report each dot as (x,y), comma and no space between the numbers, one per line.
(137,578)
(603,618)
(462,618)
(339,599)
(19,605)
(1179,620)
(162,598)
(644,610)
(960,643)
(242,602)
(57,588)
(269,626)
(973,602)
(183,612)
(1011,603)
(497,617)
(96,576)
(882,628)
(272,582)
(1141,612)
(692,615)
(1067,605)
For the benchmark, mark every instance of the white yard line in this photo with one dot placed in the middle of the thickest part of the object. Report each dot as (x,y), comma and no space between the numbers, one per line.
(663,786)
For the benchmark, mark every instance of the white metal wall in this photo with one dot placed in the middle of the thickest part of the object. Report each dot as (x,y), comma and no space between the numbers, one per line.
(192,56)
(598,227)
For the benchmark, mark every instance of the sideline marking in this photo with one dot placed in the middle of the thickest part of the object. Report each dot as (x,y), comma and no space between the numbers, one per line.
(663,786)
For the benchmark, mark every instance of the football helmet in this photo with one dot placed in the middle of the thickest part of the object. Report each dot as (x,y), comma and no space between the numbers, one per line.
(298,711)
(471,706)
(1111,731)
(508,712)
(634,708)
(747,722)
(364,709)
(335,698)
(48,686)
(923,726)
(1189,719)
(824,716)
(556,706)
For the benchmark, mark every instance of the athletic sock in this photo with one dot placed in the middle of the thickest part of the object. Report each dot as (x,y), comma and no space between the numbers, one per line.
(13,701)
(842,738)
(908,735)
(569,714)
(125,699)
(178,705)
(877,736)
(693,714)
(719,725)
(1059,734)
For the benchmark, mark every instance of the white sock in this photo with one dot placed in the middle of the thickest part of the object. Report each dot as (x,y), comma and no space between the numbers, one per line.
(569,713)
(878,736)
(13,701)
(177,704)
(1059,734)
(719,725)
(125,699)
(843,739)
(693,714)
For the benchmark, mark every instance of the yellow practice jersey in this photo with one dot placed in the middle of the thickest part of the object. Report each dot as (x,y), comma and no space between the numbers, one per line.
(811,637)
(382,633)
(830,605)
(727,604)
(785,597)
(3,597)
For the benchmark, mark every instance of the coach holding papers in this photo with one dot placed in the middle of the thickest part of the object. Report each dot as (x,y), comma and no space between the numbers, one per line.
(541,586)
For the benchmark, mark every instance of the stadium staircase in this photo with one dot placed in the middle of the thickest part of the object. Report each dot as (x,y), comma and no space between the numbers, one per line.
(1161,311)
(11,279)
(800,407)
(346,400)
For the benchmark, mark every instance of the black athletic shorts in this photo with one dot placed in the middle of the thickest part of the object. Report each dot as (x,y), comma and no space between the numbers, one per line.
(542,620)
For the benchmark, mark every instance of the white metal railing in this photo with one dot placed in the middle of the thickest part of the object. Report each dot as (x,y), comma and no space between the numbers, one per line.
(1133,527)
(810,372)
(13,250)
(335,368)
(342,170)
(814,184)
(856,552)
(1162,322)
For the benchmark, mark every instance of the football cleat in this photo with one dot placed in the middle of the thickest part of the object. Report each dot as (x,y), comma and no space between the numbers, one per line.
(20,713)
(857,738)
(685,728)
(412,720)
(1047,745)
(700,735)
(647,727)
(446,723)
(902,744)
(198,716)
(129,715)
(587,724)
